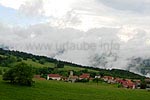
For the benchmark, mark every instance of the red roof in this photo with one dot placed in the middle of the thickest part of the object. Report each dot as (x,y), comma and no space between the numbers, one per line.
(54,75)
(37,76)
(108,77)
(85,76)
(131,84)
(121,81)
(127,83)
(42,79)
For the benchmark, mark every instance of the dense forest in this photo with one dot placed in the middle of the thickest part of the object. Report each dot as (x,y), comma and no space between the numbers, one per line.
(11,58)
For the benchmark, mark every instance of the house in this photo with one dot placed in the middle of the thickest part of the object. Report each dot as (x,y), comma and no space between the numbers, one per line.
(130,84)
(137,83)
(106,78)
(72,78)
(98,76)
(120,81)
(39,77)
(84,76)
(64,78)
(53,77)
(109,79)
(147,83)
(127,84)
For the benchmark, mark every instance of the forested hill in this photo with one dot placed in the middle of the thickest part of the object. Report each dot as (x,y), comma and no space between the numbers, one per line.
(47,65)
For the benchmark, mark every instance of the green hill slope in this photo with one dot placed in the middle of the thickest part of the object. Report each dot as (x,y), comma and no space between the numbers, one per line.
(45,65)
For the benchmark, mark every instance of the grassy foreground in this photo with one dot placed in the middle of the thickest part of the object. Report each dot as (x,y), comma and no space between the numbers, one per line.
(53,90)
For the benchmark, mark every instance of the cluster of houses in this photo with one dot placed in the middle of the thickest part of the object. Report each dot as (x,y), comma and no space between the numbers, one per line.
(72,78)
(126,83)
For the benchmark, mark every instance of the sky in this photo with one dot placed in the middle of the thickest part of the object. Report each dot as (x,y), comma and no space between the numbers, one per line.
(99,33)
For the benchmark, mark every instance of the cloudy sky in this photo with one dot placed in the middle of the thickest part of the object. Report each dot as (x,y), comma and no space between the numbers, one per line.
(100,33)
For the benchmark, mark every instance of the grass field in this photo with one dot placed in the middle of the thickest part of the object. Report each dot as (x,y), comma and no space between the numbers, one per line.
(54,90)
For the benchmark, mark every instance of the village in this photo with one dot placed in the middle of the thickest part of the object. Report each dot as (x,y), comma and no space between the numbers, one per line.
(85,77)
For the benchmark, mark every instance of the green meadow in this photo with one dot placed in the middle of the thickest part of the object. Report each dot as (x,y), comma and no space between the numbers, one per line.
(55,90)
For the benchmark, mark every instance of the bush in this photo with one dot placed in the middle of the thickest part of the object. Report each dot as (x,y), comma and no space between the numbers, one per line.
(96,80)
(4,70)
(19,60)
(42,61)
(21,74)
(33,59)
(83,80)
(1,71)
(24,58)
(59,65)
(119,85)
